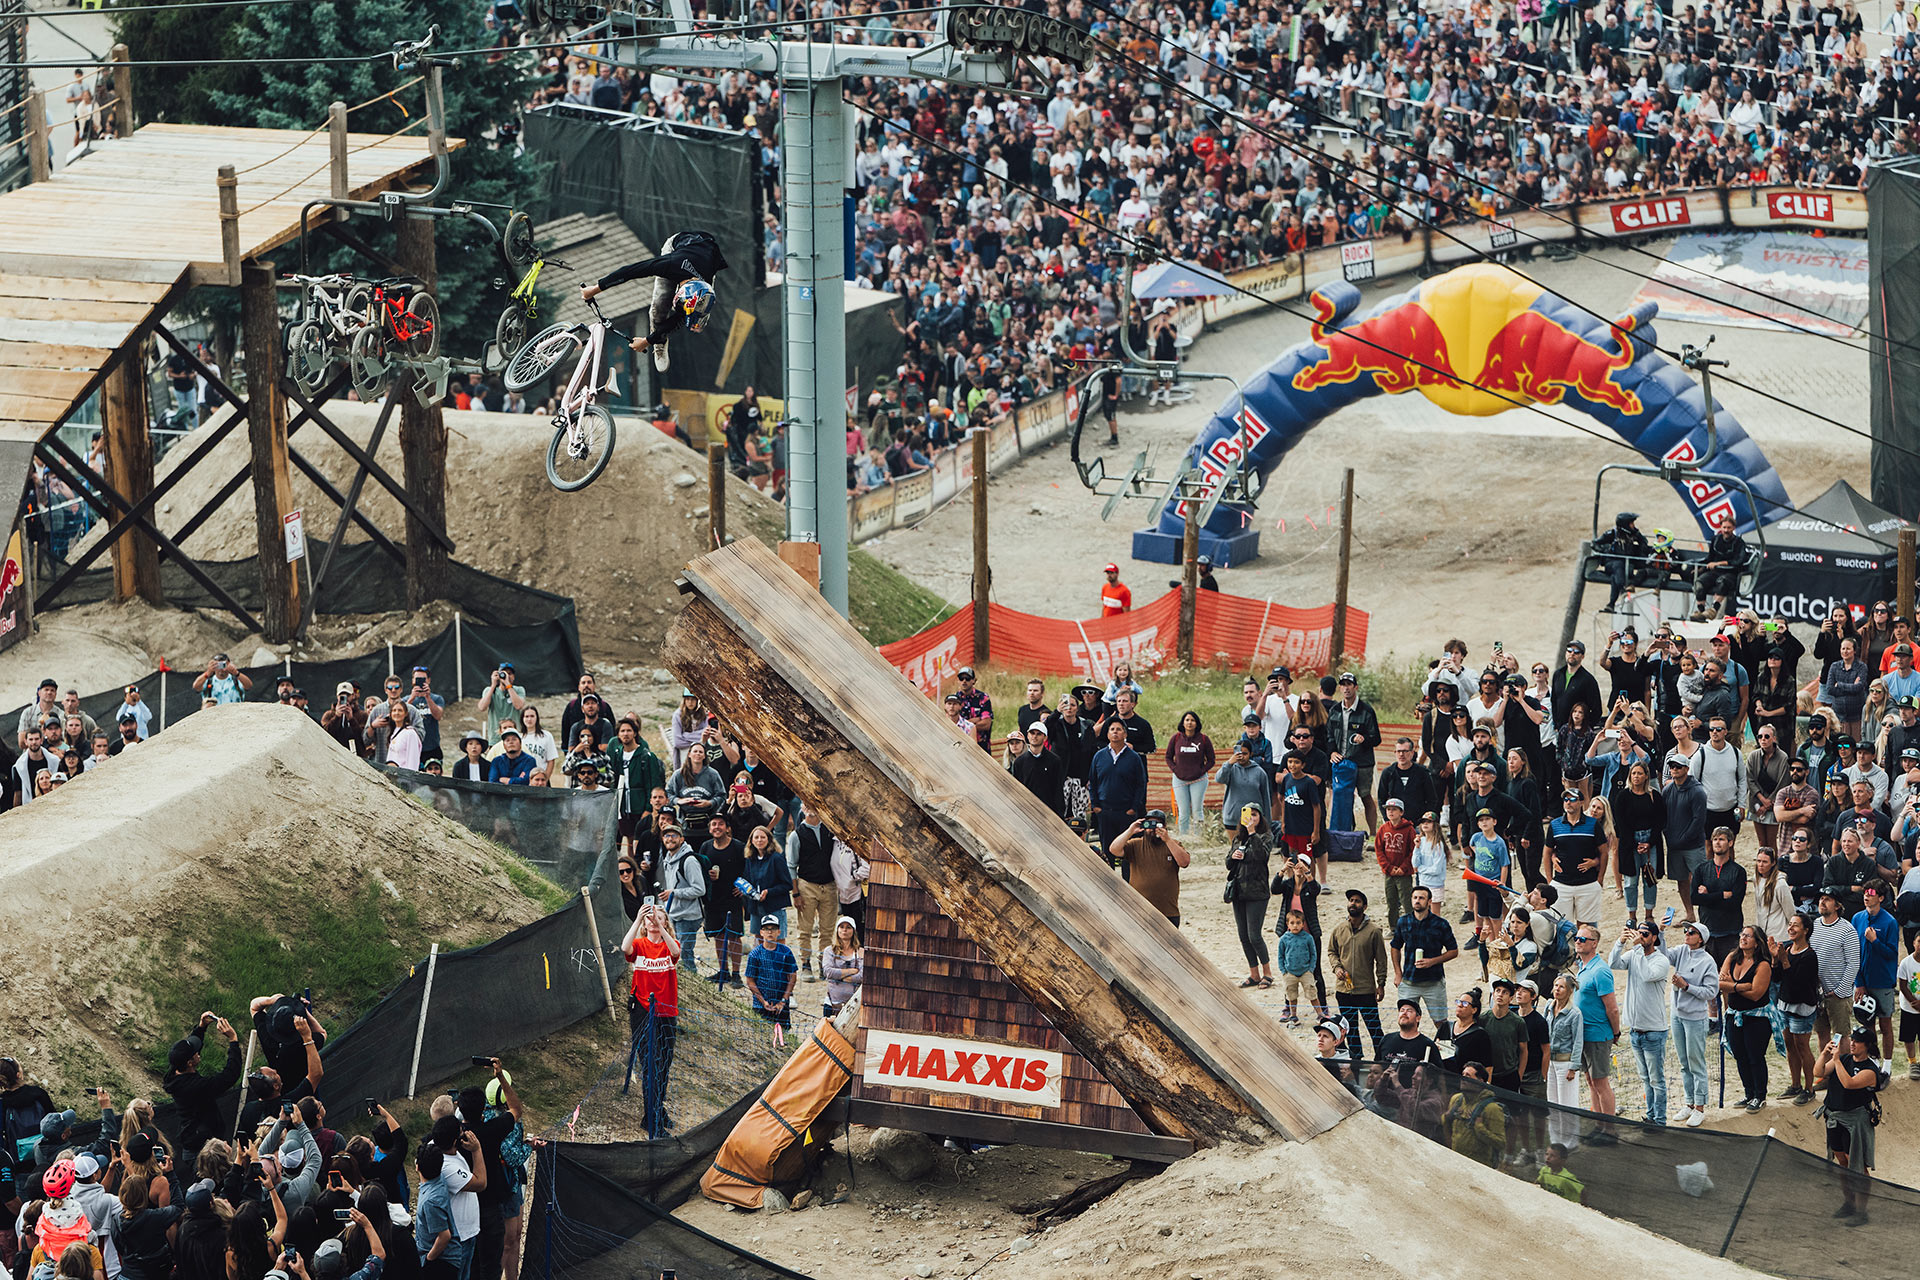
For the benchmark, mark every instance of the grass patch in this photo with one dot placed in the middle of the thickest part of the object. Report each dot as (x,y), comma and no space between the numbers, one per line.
(530,884)
(349,953)
(886,604)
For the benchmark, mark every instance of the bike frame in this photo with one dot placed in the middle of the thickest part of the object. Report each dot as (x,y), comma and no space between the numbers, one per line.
(523,292)
(583,388)
(324,298)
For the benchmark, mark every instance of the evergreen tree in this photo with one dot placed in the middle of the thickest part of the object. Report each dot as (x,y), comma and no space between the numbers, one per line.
(480,94)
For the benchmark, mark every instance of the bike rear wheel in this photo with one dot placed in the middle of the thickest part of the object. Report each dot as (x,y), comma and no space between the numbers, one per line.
(573,464)
(510,331)
(423,310)
(367,362)
(540,355)
(516,243)
(310,357)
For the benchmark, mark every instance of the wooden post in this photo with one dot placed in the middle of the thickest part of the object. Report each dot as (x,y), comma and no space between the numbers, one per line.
(420,1027)
(599,953)
(39,159)
(230,222)
(1346,563)
(136,559)
(1189,579)
(423,439)
(337,147)
(1903,589)
(122,93)
(982,573)
(267,429)
(716,494)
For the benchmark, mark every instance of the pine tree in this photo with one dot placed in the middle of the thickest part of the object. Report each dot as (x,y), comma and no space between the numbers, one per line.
(480,94)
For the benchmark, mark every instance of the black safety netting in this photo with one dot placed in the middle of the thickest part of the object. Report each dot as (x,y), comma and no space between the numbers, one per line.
(565,833)
(1749,1197)
(499,621)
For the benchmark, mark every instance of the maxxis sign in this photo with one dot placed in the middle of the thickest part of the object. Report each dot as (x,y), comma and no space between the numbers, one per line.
(976,1068)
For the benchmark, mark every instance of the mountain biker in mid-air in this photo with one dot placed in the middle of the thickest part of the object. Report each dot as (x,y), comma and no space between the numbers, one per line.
(683,288)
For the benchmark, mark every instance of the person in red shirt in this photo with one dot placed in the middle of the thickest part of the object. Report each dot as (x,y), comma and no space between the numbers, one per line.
(1115,596)
(653,1011)
(1393,846)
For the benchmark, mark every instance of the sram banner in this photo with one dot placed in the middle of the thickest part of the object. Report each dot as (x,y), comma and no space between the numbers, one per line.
(939,1064)
(1235,631)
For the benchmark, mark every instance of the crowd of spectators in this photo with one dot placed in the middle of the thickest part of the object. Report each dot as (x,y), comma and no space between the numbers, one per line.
(1230,134)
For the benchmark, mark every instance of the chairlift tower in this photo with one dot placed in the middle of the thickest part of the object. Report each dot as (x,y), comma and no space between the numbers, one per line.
(973,46)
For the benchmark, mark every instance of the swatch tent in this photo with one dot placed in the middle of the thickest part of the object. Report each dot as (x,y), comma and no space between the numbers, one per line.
(1837,549)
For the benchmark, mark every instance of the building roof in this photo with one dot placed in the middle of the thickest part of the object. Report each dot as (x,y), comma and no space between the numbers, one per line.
(591,245)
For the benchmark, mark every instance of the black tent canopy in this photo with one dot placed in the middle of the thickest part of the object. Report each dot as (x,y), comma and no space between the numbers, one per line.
(1837,549)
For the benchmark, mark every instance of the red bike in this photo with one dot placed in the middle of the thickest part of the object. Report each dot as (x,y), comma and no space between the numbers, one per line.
(403,324)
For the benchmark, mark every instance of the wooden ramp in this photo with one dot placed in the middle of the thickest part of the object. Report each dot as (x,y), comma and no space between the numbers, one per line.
(1188,1053)
(91,257)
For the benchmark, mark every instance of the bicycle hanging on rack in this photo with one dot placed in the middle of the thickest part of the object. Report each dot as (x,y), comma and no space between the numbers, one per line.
(582,428)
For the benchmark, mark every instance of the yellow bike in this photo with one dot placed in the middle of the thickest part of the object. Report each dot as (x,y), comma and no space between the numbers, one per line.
(523,304)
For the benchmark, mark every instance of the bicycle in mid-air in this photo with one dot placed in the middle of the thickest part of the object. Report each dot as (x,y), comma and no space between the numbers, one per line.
(582,428)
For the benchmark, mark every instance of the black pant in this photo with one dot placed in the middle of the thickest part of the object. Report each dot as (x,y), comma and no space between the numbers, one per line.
(1749,1038)
(1357,1008)
(1721,818)
(1249,918)
(492,1242)
(654,1037)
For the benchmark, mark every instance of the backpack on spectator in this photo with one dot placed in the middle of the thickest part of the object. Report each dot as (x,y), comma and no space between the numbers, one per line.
(1559,949)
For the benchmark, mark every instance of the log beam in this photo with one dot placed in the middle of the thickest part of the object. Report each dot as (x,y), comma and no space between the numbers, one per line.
(1189,1053)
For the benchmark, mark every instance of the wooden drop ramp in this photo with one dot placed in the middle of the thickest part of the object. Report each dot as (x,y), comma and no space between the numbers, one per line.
(878,761)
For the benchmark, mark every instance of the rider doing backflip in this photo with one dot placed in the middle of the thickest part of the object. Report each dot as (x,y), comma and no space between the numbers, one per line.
(683,288)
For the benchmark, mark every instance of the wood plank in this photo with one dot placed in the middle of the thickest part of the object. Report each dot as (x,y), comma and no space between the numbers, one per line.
(41,309)
(52,355)
(70,288)
(55,384)
(32,408)
(1192,1056)
(89,266)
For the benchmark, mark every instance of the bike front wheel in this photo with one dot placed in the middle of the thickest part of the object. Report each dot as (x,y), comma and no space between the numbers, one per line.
(540,355)
(576,457)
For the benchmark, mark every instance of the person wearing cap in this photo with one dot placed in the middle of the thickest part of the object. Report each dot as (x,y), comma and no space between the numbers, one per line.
(1879,955)
(1638,954)
(512,766)
(195,1096)
(1358,951)
(770,973)
(1151,860)
(499,701)
(1573,683)
(975,707)
(1836,944)
(1575,855)
(472,764)
(1796,805)
(133,704)
(1115,595)
(345,720)
(687,727)
(1035,766)
(45,696)
(1330,1039)
(1353,732)
(1847,1070)
(1899,676)
(1393,846)
(1904,734)
(1864,767)
(1623,554)
(1245,783)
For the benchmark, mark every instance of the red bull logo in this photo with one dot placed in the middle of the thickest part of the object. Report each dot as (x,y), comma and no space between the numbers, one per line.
(1525,356)
(11,575)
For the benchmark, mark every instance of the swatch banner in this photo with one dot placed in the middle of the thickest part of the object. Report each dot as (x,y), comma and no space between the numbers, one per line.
(1231,631)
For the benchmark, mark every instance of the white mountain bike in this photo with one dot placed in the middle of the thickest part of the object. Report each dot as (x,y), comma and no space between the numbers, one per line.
(582,429)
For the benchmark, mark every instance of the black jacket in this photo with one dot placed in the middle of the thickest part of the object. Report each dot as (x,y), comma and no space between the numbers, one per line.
(1413,786)
(1042,773)
(197,1098)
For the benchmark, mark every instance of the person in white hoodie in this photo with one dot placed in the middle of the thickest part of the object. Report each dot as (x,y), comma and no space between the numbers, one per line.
(1695,979)
(1638,953)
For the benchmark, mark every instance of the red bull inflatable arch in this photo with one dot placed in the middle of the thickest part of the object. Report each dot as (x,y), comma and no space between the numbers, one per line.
(1474,341)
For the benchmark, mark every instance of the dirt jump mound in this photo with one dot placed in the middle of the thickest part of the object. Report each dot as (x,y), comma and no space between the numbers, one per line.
(243,846)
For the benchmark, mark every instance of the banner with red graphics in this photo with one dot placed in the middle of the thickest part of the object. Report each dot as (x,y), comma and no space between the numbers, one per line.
(1229,631)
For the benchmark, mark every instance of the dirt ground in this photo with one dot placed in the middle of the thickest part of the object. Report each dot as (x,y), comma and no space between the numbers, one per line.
(235,809)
